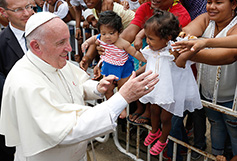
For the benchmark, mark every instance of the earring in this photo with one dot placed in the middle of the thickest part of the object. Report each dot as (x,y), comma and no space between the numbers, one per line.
(233,13)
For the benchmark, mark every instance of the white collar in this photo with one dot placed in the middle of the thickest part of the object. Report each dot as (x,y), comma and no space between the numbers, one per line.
(39,63)
(17,32)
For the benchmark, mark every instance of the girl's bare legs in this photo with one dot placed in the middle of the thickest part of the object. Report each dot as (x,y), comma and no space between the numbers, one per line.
(160,115)
(120,83)
(155,117)
(166,125)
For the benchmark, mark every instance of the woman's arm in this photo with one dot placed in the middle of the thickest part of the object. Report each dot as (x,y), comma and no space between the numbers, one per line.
(197,26)
(130,32)
(217,56)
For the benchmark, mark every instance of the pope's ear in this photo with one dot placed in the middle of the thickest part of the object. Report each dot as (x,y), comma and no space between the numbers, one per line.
(35,46)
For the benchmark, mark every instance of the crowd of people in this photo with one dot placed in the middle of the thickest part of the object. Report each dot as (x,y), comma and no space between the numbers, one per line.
(43,111)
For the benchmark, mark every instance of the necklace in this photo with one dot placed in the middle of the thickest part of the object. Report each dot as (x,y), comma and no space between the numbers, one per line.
(60,75)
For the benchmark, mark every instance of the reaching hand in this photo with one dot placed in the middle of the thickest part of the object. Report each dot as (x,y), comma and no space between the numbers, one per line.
(84,46)
(106,83)
(84,63)
(97,72)
(100,49)
(137,87)
(193,45)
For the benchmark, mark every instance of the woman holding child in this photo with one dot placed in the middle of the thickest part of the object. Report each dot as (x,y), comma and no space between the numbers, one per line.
(219,21)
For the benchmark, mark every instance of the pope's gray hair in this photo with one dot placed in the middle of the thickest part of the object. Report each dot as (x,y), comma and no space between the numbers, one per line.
(38,34)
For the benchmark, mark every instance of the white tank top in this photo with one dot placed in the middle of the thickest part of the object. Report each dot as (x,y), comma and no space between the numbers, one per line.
(228,77)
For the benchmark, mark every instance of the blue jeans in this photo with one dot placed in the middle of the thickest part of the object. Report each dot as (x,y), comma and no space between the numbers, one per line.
(221,126)
(177,131)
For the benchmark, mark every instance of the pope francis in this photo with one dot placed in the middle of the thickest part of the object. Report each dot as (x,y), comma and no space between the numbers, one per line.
(43,110)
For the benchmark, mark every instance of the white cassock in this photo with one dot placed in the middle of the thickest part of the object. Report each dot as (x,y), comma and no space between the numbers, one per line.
(44,115)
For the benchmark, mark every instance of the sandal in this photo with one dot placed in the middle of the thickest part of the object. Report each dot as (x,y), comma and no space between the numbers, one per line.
(152,137)
(158,147)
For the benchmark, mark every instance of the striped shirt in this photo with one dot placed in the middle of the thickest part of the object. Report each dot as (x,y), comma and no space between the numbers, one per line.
(113,54)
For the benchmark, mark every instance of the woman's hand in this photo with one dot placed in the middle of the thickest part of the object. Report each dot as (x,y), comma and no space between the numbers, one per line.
(193,45)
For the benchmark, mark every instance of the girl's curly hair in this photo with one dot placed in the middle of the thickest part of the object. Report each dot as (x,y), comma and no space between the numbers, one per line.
(164,24)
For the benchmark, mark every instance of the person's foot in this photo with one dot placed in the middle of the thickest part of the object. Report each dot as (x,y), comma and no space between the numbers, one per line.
(143,120)
(195,155)
(134,116)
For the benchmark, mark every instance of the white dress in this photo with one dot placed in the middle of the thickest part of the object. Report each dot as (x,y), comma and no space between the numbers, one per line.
(177,90)
(61,11)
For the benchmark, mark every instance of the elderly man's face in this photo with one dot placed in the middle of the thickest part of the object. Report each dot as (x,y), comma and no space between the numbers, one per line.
(18,18)
(56,46)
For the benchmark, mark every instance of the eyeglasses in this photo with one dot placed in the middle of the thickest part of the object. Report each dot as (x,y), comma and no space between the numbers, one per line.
(28,7)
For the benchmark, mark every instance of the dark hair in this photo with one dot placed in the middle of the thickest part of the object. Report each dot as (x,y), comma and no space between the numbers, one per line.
(110,19)
(235,11)
(3,3)
(164,24)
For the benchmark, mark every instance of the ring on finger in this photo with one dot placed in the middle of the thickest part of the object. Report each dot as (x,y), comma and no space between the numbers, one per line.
(146,88)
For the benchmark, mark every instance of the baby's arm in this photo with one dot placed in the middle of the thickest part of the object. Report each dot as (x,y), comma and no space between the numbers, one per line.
(186,54)
(132,51)
(88,42)
(182,58)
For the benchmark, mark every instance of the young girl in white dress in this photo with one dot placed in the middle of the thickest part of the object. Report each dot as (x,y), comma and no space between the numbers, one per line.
(176,90)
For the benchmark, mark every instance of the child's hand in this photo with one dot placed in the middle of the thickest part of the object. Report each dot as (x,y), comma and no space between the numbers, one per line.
(100,49)
(106,83)
(84,46)
(97,73)
(84,63)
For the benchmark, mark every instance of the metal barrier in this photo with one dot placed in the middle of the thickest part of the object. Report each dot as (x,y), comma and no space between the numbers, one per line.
(211,105)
